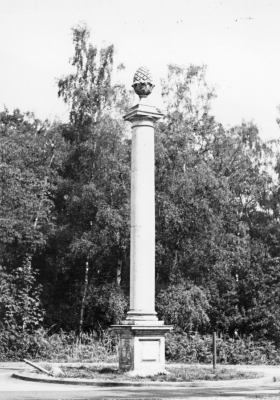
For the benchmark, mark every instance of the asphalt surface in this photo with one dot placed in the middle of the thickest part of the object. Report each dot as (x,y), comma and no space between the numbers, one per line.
(14,389)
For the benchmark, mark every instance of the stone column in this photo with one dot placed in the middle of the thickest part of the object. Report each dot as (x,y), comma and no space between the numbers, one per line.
(142,336)
(142,241)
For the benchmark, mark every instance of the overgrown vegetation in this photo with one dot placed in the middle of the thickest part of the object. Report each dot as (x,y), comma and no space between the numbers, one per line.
(184,348)
(195,348)
(64,222)
(175,374)
(57,347)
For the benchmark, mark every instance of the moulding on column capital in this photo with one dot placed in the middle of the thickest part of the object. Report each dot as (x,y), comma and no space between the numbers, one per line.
(143,111)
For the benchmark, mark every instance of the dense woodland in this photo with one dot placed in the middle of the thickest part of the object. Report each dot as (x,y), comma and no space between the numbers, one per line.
(65,210)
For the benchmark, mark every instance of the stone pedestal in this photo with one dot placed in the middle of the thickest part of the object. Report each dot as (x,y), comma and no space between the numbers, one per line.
(142,348)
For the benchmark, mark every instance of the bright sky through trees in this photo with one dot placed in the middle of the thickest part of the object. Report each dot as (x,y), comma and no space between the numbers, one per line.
(236,39)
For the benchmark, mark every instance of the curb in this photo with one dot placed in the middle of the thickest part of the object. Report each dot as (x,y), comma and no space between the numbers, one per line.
(91,382)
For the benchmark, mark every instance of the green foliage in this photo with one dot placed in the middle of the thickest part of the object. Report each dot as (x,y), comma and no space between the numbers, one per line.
(88,91)
(214,209)
(194,348)
(184,308)
(186,348)
(57,347)
(29,150)
(65,209)
(91,202)
(197,372)
(16,344)
(25,153)
(20,304)
(106,305)
(180,373)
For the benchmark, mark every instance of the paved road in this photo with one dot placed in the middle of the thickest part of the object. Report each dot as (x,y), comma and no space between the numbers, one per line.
(14,389)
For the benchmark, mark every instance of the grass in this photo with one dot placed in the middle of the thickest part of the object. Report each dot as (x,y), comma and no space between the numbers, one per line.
(175,374)
(103,347)
(193,373)
(63,347)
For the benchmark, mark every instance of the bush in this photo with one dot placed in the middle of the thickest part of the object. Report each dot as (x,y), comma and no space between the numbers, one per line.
(184,308)
(106,305)
(194,348)
(58,347)
(20,305)
(180,347)
(16,344)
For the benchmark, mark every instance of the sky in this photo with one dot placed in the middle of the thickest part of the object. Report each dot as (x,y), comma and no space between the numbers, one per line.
(238,40)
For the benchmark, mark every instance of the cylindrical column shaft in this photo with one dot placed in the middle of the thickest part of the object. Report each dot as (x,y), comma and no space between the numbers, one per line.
(142,253)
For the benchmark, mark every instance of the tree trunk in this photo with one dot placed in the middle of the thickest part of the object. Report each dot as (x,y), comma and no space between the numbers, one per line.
(81,322)
(41,202)
(119,272)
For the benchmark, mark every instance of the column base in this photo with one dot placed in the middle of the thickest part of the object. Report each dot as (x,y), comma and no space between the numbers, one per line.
(141,318)
(142,348)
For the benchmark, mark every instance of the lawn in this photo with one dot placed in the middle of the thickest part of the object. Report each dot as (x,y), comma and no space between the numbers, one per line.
(180,373)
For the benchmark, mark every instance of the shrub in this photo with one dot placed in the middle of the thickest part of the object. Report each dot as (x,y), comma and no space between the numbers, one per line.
(20,305)
(106,305)
(194,348)
(16,344)
(184,308)
(58,347)
(180,347)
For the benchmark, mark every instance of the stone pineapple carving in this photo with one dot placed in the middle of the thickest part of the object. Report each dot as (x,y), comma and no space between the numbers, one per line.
(143,82)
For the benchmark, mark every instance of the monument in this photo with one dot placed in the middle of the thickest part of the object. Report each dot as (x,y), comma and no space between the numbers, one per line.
(142,335)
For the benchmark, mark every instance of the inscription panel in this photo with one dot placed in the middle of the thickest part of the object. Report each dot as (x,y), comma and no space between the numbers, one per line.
(150,350)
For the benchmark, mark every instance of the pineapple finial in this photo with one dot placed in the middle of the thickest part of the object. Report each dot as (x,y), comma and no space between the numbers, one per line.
(143,82)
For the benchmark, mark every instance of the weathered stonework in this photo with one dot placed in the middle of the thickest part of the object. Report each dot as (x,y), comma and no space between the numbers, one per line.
(142,348)
(141,335)
(143,82)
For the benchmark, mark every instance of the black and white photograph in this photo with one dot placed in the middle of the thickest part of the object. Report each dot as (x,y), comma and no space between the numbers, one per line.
(139,199)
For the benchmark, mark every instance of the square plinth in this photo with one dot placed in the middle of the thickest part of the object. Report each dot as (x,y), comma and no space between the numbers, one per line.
(142,348)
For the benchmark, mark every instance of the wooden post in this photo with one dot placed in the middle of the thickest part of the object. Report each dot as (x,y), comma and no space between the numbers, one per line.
(37,367)
(214,350)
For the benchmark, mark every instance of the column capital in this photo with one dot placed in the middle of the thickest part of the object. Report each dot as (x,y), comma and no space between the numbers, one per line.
(143,111)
